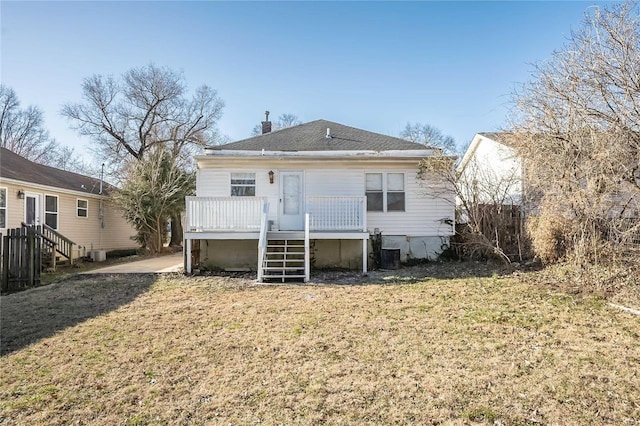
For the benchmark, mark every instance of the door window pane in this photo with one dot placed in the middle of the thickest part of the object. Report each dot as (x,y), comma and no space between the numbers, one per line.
(291,194)
(30,205)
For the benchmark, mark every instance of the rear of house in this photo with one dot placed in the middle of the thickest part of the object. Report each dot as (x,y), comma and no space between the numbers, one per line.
(311,196)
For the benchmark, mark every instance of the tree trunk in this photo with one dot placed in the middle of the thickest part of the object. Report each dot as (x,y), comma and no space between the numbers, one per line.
(176,230)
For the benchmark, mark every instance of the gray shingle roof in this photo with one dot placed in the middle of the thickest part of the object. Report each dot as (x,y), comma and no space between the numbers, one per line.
(312,137)
(13,166)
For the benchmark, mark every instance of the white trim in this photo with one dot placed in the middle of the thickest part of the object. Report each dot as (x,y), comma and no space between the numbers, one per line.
(57,212)
(408,153)
(38,207)
(6,206)
(301,201)
(51,188)
(385,191)
(78,208)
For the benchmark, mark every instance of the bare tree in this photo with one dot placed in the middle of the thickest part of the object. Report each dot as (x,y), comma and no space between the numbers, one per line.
(430,136)
(578,121)
(144,109)
(284,121)
(22,129)
(485,202)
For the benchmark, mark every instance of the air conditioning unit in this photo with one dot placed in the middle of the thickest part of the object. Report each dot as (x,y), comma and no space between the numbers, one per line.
(98,255)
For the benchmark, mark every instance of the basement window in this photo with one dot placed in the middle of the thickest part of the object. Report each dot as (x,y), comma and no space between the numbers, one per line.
(243,184)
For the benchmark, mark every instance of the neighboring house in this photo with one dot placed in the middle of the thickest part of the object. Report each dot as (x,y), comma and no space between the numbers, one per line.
(69,203)
(490,172)
(313,194)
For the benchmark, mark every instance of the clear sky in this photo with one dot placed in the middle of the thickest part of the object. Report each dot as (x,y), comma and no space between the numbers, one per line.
(371,65)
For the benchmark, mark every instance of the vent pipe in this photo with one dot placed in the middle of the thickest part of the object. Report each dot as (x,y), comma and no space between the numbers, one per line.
(329,134)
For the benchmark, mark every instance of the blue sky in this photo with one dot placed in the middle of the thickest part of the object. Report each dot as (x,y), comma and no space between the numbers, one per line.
(372,65)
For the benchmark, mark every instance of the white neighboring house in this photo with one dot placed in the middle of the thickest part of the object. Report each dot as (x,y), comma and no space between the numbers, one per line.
(312,194)
(490,171)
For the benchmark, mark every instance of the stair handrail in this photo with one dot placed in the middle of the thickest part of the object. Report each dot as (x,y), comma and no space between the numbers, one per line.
(63,245)
(262,240)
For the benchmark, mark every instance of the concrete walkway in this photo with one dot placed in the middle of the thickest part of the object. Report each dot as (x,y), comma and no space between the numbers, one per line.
(170,263)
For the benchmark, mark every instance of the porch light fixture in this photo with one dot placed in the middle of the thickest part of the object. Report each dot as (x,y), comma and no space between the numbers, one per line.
(21,194)
(271,176)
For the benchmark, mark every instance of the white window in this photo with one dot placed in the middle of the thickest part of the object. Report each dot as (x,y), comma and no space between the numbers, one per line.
(243,184)
(51,211)
(3,207)
(82,208)
(385,192)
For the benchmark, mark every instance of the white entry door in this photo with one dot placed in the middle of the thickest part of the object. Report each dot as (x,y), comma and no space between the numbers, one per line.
(291,201)
(32,209)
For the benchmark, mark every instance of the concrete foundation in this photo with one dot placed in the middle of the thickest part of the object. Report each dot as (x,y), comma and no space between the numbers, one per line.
(243,254)
(229,255)
(415,248)
(337,254)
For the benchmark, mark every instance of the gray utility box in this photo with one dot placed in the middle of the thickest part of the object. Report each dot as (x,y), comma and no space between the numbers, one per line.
(390,258)
(98,255)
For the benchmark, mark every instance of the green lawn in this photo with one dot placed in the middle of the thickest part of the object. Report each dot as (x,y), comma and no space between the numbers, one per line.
(409,349)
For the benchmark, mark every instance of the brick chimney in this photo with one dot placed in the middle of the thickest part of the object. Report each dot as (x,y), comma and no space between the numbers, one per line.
(266,125)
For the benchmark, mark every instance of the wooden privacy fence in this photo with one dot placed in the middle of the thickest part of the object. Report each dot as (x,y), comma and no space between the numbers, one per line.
(21,259)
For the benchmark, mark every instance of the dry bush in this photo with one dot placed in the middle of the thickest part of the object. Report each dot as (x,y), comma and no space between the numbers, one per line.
(578,133)
(547,237)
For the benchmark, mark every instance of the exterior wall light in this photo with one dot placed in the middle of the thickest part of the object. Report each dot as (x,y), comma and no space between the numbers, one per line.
(271,174)
(21,194)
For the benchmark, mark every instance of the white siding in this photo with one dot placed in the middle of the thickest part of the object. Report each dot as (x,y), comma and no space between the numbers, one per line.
(424,213)
(493,173)
(336,182)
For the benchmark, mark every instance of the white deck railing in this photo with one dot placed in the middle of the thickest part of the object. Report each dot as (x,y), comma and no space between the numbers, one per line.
(244,214)
(337,213)
(233,214)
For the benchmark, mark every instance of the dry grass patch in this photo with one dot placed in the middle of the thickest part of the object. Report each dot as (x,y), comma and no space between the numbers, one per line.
(226,351)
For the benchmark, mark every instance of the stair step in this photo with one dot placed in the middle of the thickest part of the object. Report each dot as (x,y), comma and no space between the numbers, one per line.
(284,246)
(284,260)
(283,276)
(282,268)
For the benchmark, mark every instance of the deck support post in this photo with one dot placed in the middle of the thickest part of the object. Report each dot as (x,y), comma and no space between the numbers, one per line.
(365,253)
(187,248)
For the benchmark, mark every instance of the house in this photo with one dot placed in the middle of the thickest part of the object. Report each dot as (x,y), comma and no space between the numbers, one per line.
(71,205)
(311,195)
(490,171)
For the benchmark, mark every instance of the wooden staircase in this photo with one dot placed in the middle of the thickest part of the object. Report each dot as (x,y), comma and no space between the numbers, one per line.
(54,245)
(284,258)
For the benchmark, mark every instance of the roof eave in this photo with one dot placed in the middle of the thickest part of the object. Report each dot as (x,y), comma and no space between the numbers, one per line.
(406,153)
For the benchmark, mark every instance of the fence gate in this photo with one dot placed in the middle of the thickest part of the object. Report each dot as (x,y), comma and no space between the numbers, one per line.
(21,259)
